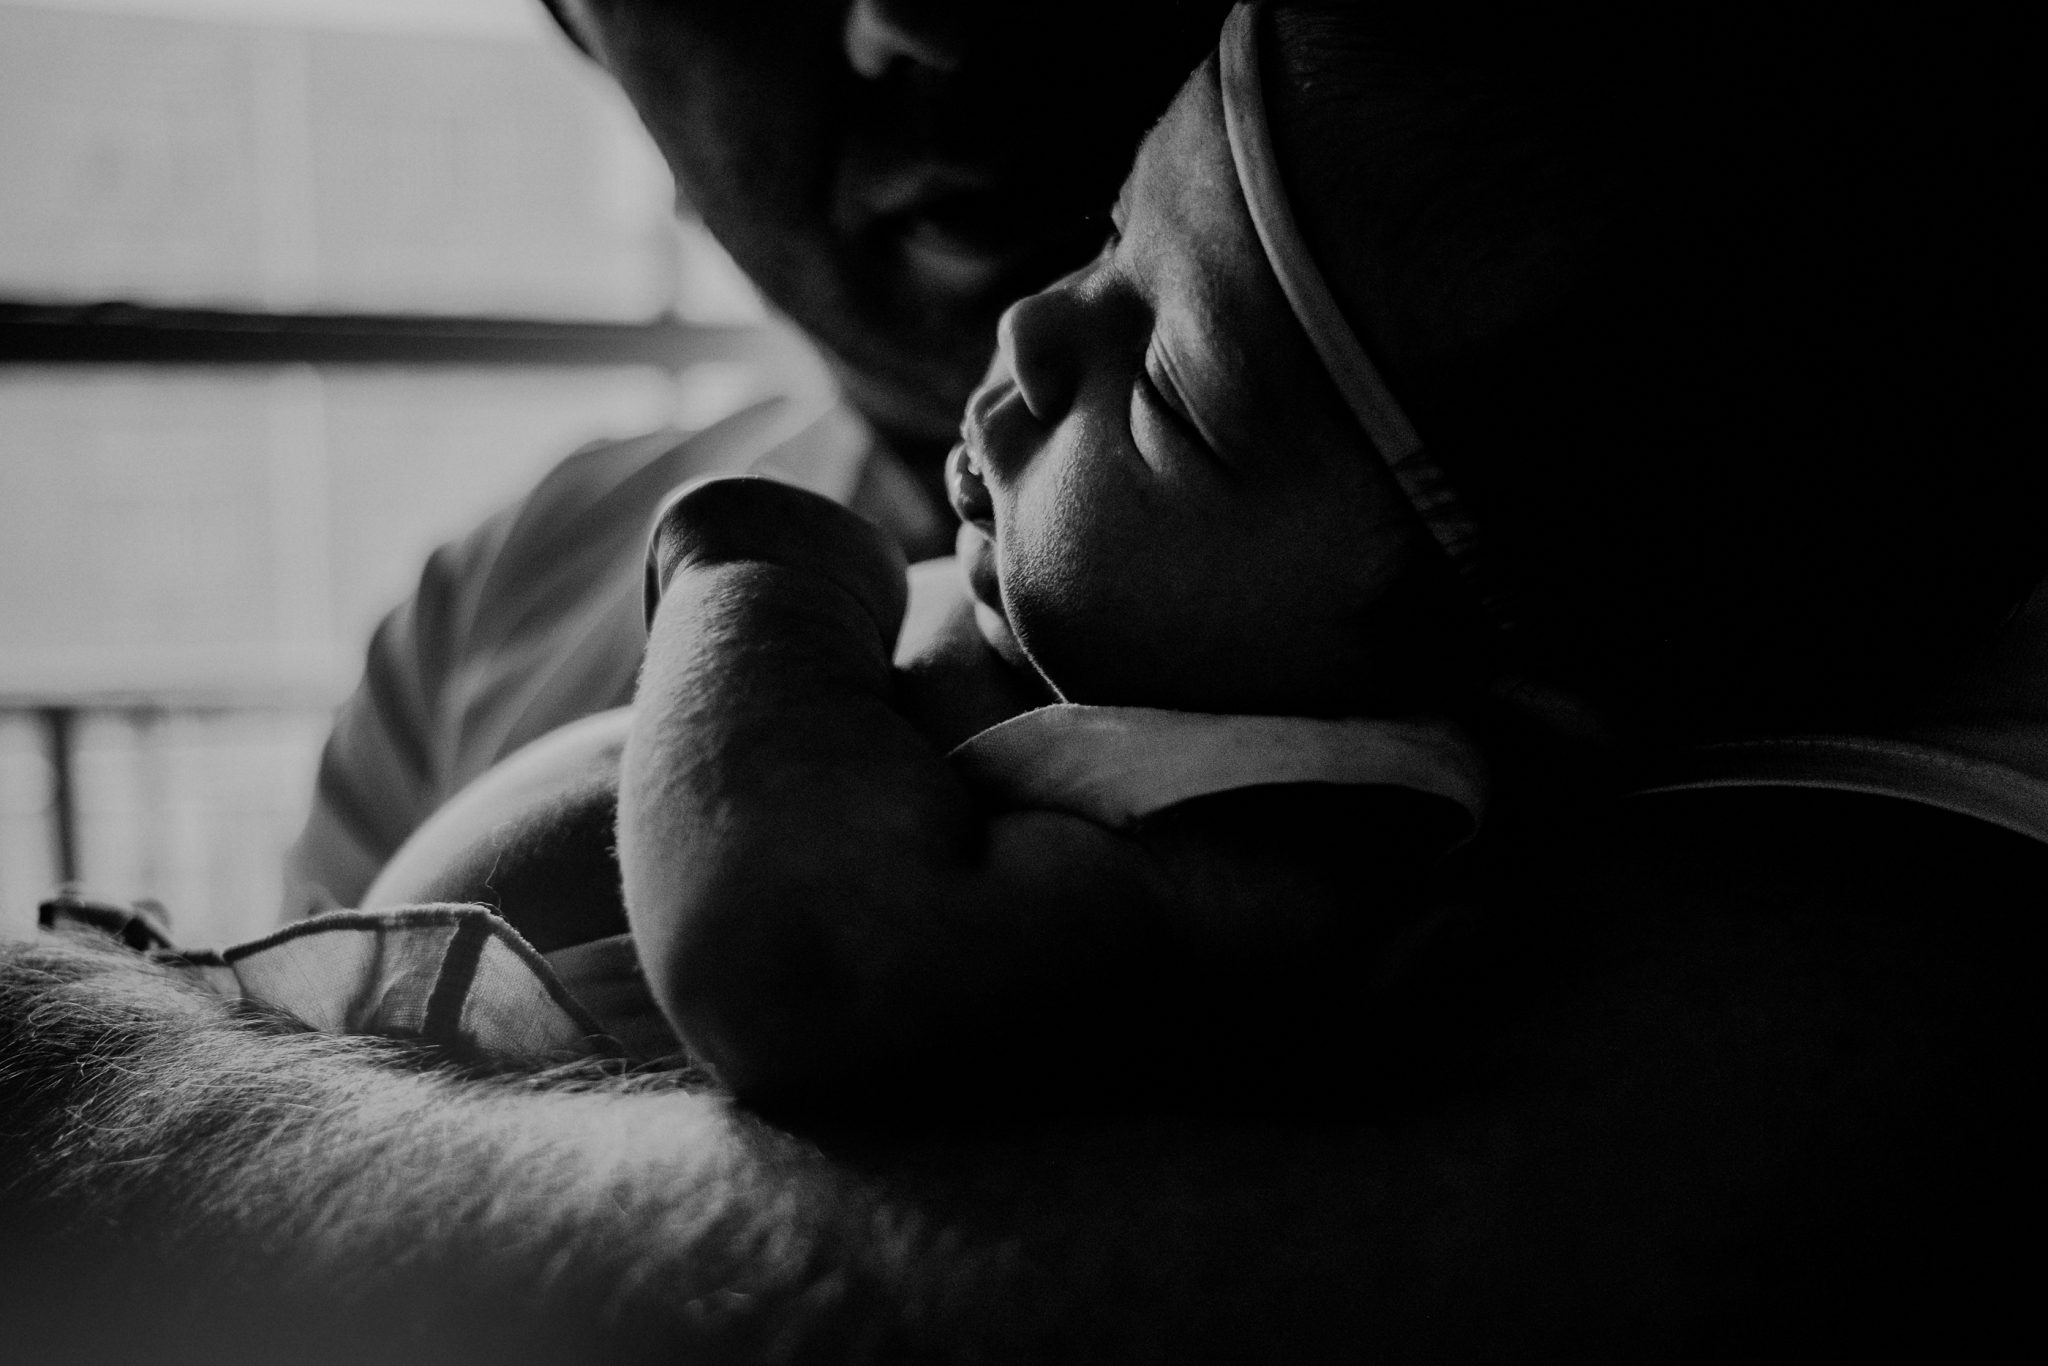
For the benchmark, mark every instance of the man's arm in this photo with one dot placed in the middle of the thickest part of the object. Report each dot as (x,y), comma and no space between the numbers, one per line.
(1741,1077)
(181,1178)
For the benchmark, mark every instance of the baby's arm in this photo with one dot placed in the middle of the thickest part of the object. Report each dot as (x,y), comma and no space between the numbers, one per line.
(815,896)
(820,904)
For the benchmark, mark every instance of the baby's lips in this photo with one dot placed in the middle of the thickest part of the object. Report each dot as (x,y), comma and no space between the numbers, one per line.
(976,552)
(964,487)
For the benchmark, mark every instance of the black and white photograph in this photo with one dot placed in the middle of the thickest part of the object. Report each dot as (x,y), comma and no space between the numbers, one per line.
(1008,684)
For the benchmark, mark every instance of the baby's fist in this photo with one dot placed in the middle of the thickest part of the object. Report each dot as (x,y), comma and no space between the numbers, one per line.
(730,519)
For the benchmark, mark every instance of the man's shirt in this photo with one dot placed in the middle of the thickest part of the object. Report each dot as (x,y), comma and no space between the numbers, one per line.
(534,620)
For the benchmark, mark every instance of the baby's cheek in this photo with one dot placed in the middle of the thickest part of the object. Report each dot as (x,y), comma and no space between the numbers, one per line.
(1076,550)
(1084,621)
(1043,592)
(976,555)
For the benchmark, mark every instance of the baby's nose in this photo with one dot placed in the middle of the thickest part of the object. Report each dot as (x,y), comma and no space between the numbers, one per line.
(1036,341)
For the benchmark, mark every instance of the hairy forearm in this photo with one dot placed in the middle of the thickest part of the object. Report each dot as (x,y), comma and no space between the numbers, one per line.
(1683,1109)
(244,1168)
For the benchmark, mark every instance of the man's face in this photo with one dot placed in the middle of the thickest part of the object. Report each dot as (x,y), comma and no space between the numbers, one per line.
(893,174)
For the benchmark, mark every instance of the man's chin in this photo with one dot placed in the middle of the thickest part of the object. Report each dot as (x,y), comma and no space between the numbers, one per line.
(919,328)
(951,268)
(907,414)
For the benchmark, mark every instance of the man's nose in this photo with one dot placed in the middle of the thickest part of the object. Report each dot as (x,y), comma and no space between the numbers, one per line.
(880,33)
(1037,339)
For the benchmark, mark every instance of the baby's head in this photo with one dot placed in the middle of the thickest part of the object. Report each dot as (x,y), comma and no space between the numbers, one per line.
(1165,496)
(1693,476)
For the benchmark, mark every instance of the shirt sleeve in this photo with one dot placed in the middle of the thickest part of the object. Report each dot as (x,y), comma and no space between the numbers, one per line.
(383,769)
(530,622)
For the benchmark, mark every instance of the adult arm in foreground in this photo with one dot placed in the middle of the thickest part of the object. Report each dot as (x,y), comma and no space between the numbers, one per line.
(1729,1076)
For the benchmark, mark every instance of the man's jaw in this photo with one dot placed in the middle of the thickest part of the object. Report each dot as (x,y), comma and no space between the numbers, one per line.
(947,262)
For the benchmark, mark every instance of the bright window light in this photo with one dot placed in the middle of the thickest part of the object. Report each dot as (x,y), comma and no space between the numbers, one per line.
(503,18)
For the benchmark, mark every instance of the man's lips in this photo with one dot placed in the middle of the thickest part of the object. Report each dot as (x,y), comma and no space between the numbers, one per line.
(963,228)
(877,183)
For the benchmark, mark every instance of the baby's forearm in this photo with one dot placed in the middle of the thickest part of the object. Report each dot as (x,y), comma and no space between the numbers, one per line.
(822,905)
(797,856)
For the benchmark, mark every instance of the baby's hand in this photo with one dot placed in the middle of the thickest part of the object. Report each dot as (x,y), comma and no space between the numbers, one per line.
(951,679)
(727,520)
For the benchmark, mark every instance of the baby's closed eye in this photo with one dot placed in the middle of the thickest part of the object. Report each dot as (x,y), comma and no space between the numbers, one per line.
(1163,423)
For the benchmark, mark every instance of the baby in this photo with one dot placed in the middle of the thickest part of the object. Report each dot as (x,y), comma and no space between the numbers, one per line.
(1176,529)
(1181,777)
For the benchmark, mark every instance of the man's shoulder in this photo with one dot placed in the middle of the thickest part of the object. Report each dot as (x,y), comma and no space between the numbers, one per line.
(599,479)
(578,536)
(528,621)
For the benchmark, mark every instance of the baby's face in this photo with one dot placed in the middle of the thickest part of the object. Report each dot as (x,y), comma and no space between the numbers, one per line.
(1164,496)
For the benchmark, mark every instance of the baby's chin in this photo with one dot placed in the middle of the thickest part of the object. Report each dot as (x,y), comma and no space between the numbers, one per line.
(977,555)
